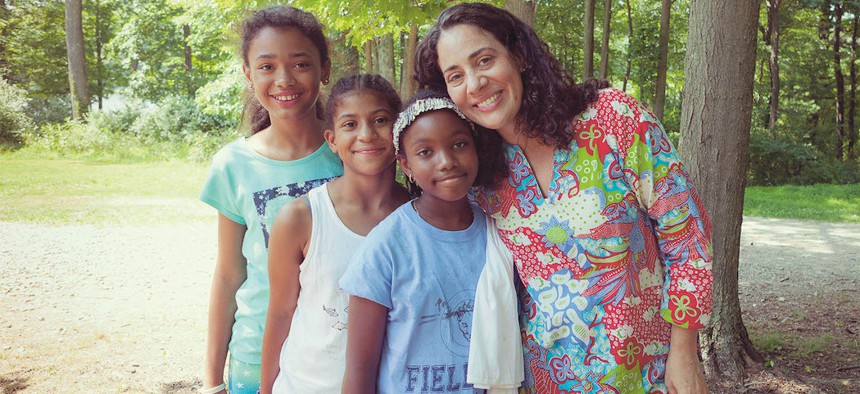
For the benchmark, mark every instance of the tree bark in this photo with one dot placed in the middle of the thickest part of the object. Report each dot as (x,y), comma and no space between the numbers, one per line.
(604,48)
(100,83)
(4,15)
(771,38)
(522,9)
(408,84)
(663,63)
(77,59)
(186,32)
(386,58)
(629,45)
(588,35)
(368,57)
(852,95)
(715,134)
(840,81)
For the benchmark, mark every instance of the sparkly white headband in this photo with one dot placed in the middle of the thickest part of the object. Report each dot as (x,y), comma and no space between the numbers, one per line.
(408,115)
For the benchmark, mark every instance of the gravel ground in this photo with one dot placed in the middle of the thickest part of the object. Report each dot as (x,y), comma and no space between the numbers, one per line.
(94,309)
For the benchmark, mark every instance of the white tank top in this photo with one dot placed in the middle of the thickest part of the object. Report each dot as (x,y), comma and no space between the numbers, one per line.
(313,356)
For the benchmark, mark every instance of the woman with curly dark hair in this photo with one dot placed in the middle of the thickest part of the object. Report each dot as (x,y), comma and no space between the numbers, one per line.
(609,238)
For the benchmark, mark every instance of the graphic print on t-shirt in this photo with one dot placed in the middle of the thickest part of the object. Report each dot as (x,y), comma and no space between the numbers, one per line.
(268,202)
(455,321)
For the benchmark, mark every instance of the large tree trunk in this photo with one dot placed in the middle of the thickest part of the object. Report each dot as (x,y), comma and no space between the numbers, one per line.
(852,95)
(408,84)
(604,48)
(771,38)
(588,35)
(629,45)
(386,58)
(663,63)
(715,134)
(522,9)
(77,59)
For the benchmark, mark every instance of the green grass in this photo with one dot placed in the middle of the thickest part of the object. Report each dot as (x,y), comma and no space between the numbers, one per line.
(61,191)
(828,203)
(96,192)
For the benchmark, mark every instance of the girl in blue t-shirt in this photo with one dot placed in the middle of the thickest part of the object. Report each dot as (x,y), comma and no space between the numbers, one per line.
(412,283)
(314,237)
(285,58)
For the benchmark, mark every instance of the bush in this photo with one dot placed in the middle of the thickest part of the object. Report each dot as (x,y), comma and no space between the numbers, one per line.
(13,120)
(779,161)
(175,119)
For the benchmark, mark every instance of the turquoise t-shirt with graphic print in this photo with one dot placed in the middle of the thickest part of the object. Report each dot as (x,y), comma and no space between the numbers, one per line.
(249,189)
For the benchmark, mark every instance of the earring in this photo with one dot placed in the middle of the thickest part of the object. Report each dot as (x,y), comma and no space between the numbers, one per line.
(325,81)
(410,178)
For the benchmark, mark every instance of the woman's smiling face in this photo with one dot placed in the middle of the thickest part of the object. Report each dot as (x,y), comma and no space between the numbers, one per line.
(482,77)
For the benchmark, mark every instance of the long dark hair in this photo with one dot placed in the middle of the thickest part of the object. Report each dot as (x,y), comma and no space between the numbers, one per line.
(490,166)
(371,83)
(278,17)
(551,98)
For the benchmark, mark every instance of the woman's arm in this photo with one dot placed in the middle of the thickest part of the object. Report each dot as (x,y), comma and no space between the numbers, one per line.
(229,275)
(287,246)
(365,334)
(683,372)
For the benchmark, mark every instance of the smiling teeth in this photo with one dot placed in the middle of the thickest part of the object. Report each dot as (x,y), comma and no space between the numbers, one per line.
(490,100)
(287,98)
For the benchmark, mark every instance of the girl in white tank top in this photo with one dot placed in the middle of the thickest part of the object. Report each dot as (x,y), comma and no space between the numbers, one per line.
(313,239)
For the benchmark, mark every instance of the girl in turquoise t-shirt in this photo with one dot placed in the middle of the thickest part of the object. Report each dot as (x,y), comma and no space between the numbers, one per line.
(285,58)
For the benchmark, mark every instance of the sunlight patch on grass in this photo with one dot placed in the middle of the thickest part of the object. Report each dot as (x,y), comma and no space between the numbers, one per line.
(829,203)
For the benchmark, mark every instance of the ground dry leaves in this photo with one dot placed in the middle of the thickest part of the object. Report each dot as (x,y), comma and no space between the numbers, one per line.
(95,309)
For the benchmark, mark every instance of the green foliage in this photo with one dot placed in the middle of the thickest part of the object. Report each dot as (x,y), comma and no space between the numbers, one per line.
(830,203)
(780,160)
(13,120)
(34,47)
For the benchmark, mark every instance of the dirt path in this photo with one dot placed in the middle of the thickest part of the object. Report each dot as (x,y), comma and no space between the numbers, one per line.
(122,309)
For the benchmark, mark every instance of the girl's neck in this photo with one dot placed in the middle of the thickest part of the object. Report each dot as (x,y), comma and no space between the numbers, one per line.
(444,215)
(289,140)
(369,191)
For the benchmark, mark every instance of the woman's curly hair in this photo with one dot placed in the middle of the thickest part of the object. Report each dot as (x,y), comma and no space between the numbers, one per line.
(550,96)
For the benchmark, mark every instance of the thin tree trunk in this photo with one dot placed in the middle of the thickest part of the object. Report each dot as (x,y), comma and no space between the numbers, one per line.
(77,59)
(629,45)
(604,49)
(4,15)
(522,9)
(588,48)
(840,81)
(186,32)
(852,99)
(386,58)
(772,39)
(100,83)
(663,64)
(368,57)
(408,84)
(715,133)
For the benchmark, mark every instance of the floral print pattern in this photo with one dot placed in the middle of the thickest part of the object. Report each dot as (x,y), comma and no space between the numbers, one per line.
(615,253)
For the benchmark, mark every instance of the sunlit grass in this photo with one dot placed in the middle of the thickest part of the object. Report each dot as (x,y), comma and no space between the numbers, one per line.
(828,203)
(58,191)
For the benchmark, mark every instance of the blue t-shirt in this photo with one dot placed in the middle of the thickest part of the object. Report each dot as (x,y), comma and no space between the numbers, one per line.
(427,278)
(250,188)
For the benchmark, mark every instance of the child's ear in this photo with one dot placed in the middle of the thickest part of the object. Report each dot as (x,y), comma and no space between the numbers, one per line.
(404,165)
(329,138)
(247,73)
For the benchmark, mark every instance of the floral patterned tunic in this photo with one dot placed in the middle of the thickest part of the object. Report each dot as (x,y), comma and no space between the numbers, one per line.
(617,252)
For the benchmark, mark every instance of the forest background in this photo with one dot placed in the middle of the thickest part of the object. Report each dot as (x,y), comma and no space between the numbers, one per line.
(160,81)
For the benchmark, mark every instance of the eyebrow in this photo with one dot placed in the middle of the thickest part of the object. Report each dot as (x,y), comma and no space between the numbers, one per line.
(374,112)
(471,56)
(291,55)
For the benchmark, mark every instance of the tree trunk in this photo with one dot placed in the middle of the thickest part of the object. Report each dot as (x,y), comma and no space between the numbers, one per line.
(715,134)
(629,45)
(4,16)
(772,39)
(386,58)
(604,49)
(852,99)
(77,59)
(588,35)
(840,80)
(408,84)
(368,57)
(186,32)
(522,9)
(100,82)
(663,64)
